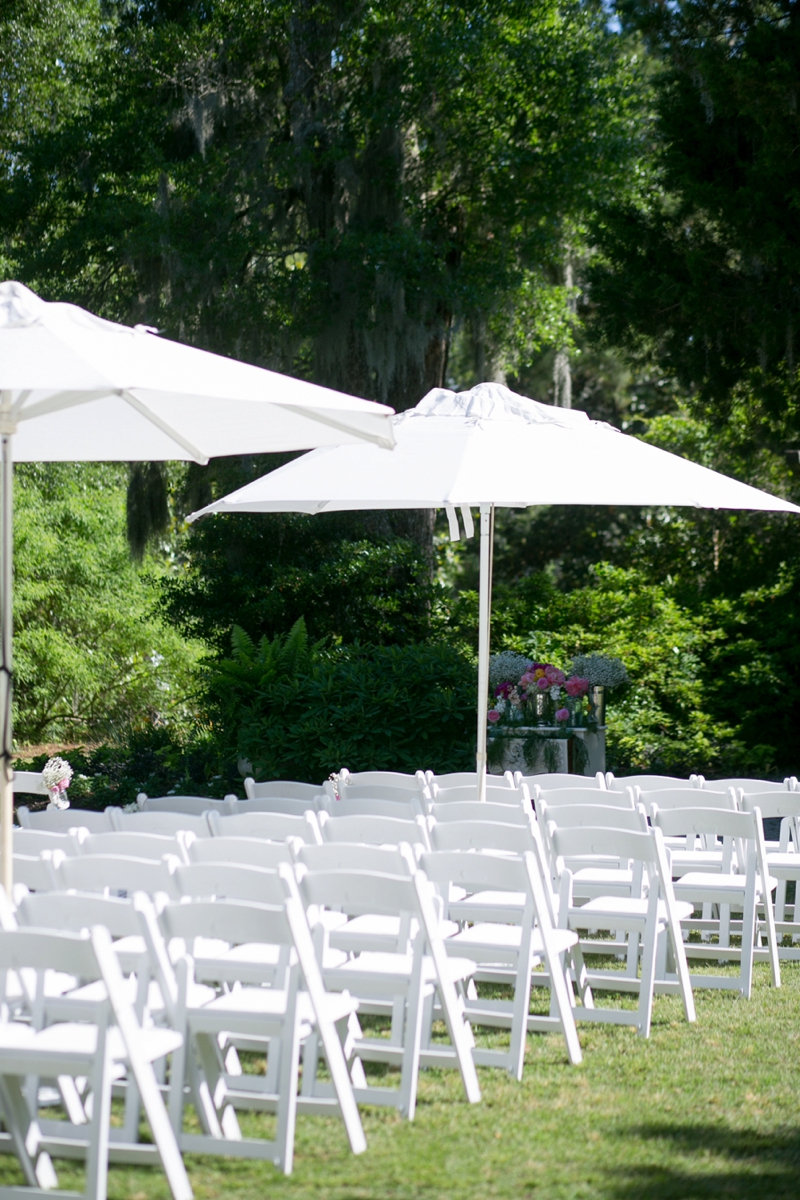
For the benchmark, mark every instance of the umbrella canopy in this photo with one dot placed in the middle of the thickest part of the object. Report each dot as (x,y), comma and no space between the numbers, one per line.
(75,387)
(490,447)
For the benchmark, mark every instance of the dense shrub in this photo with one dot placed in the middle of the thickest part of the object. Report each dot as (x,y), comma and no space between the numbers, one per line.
(298,710)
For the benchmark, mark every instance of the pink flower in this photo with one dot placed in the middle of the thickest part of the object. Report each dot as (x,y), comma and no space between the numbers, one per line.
(543,684)
(562,714)
(576,686)
(527,678)
(493,715)
(554,675)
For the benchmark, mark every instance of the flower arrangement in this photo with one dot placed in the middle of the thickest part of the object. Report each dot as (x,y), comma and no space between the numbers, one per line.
(601,669)
(516,683)
(56,776)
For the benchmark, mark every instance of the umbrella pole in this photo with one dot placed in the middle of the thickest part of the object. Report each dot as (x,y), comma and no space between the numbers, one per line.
(6,633)
(484,631)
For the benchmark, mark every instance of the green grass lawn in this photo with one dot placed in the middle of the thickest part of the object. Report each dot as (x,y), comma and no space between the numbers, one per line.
(704,1111)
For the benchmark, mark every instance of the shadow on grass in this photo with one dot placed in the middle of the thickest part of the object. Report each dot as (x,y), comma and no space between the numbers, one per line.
(756,1166)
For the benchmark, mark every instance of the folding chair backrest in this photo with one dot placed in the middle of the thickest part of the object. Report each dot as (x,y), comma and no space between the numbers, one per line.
(558,780)
(75,911)
(475,872)
(390,779)
(249,852)
(256,885)
(494,795)
(274,827)
(481,835)
(585,795)
(374,831)
(689,798)
(771,804)
(283,789)
(473,810)
(614,843)
(582,816)
(675,822)
(43,950)
(406,809)
(348,856)
(469,779)
(376,791)
(61,820)
(194,805)
(232,921)
(35,873)
(274,804)
(131,845)
(28,783)
(165,823)
(748,786)
(358,892)
(34,841)
(651,783)
(113,873)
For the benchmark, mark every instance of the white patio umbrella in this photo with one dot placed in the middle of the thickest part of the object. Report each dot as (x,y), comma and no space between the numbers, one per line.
(74,387)
(489,447)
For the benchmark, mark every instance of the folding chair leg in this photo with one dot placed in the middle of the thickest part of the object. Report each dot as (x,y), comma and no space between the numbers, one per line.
(287,1104)
(99,1129)
(37,1166)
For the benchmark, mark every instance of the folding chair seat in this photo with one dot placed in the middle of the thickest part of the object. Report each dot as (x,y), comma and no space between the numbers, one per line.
(167,824)
(273,827)
(61,820)
(275,1019)
(33,841)
(745,889)
(653,914)
(401,982)
(595,876)
(115,874)
(274,804)
(404,810)
(108,1039)
(652,783)
(282,789)
(507,951)
(247,851)
(131,845)
(374,831)
(557,781)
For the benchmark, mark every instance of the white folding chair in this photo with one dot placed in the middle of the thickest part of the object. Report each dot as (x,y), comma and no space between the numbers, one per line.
(404,980)
(230,881)
(168,824)
(644,918)
(193,805)
(130,845)
(495,794)
(406,809)
(468,779)
(34,873)
(752,785)
(28,783)
(61,820)
(375,831)
(114,874)
(34,841)
(89,1050)
(595,876)
(389,779)
(282,789)
(275,804)
(562,797)
(273,827)
(652,783)
(507,952)
(745,889)
(276,1019)
(249,852)
(474,810)
(783,857)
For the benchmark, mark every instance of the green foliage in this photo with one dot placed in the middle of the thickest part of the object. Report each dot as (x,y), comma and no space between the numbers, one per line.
(92,658)
(298,711)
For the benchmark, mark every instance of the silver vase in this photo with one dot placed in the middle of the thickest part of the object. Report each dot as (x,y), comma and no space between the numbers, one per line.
(597,699)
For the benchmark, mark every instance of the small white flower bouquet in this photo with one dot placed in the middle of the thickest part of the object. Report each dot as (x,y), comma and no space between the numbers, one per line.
(56,776)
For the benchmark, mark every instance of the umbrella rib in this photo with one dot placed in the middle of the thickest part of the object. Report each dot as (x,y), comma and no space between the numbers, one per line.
(343,426)
(161,424)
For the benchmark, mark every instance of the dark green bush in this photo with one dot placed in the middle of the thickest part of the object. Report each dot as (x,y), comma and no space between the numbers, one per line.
(299,711)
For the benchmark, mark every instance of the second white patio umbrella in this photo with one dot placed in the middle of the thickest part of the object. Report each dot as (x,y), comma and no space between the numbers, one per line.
(489,447)
(74,387)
